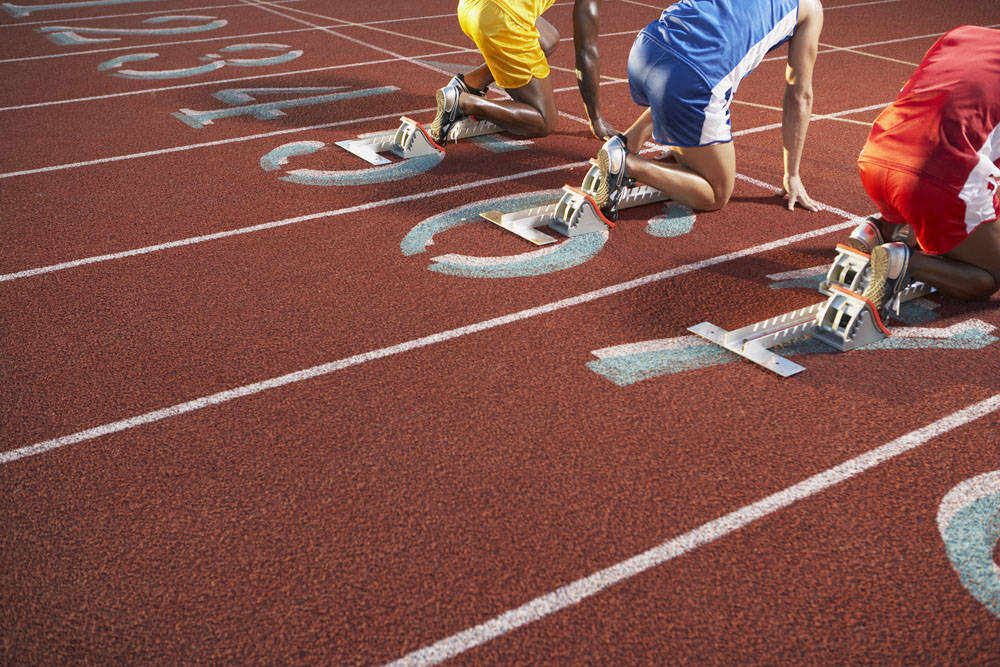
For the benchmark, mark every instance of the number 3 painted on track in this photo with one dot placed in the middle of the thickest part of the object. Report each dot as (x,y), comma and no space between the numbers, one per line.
(216,62)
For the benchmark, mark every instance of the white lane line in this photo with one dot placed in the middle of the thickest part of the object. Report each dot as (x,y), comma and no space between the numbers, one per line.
(219,142)
(240,5)
(264,135)
(203,84)
(92,98)
(114,49)
(271,10)
(579,590)
(277,223)
(327,368)
(27,273)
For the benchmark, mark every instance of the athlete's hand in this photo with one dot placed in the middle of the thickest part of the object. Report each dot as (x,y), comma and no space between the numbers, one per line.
(796,193)
(601,128)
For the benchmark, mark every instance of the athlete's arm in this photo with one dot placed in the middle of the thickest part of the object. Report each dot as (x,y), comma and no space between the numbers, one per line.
(588,64)
(796,106)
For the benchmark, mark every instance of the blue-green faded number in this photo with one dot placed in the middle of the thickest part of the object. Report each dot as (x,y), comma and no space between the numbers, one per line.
(244,102)
(20,11)
(213,62)
(68,35)
(969,522)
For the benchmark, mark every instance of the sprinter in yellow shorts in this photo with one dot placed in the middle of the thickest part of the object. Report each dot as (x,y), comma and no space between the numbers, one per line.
(515,40)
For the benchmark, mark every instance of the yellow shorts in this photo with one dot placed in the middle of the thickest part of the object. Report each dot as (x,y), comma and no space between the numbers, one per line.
(508,42)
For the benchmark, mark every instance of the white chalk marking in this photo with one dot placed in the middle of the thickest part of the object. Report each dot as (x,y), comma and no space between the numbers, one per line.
(581,589)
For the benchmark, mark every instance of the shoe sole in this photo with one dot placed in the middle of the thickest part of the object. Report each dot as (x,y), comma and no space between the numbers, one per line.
(603,192)
(435,129)
(877,287)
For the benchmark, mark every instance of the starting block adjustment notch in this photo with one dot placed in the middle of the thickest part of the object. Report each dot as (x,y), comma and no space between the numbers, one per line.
(849,321)
(849,270)
(412,140)
(577,213)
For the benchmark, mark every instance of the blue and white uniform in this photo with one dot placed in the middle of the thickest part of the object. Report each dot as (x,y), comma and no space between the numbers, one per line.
(686,65)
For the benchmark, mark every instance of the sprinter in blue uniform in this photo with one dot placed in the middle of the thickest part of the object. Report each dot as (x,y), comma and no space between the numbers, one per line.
(685,67)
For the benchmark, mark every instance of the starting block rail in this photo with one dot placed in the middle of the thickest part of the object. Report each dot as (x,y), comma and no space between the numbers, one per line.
(844,321)
(411,139)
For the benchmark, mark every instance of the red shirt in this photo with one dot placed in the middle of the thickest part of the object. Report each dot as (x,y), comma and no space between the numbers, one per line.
(942,124)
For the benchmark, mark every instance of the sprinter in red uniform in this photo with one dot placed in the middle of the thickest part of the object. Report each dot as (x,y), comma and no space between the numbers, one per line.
(932,162)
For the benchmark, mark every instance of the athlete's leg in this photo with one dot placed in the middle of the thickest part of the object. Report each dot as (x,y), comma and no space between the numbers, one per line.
(531,112)
(548,39)
(640,131)
(970,271)
(703,177)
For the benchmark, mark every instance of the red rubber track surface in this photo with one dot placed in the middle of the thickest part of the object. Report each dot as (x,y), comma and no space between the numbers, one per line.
(239,424)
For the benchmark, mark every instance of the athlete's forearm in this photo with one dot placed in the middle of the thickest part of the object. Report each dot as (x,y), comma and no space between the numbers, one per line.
(796,110)
(588,60)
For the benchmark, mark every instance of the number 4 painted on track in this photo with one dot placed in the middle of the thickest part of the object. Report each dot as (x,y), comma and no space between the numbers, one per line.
(239,100)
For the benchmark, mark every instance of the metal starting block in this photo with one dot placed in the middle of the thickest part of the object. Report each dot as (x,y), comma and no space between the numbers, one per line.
(845,321)
(574,214)
(850,270)
(411,140)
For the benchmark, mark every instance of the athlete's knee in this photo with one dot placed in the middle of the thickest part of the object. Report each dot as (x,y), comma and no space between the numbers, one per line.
(984,286)
(721,195)
(543,126)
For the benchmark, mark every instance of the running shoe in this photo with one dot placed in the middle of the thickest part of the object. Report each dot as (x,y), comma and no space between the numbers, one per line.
(459,80)
(875,231)
(866,236)
(889,262)
(614,175)
(448,112)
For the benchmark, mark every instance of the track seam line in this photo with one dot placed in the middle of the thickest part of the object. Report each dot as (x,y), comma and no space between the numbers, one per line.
(413,344)
(573,593)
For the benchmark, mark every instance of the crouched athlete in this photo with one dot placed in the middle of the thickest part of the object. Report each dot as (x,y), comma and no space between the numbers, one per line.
(686,67)
(515,42)
(932,162)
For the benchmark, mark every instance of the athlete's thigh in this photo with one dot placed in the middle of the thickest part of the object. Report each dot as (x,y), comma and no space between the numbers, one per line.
(716,163)
(981,249)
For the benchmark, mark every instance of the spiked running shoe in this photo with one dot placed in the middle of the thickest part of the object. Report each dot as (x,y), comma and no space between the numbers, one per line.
(875,231)
(890,262)
(448,112)
(614,175)
(866,236)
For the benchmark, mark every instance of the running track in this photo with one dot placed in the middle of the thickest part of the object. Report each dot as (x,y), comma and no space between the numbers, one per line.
(261,404)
